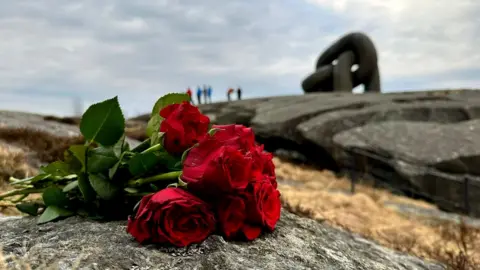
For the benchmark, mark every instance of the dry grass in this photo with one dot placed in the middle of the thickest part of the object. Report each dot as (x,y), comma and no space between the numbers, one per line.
(46,147)
(322,196)
(21,152)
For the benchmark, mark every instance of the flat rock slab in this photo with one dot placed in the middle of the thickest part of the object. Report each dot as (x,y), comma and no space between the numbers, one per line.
(435,158)
(11,119)
(52,126)
(306,126)
(297,243)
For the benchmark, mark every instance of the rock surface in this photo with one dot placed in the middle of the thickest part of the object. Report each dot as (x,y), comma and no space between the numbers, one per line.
(297,243)
(394,127)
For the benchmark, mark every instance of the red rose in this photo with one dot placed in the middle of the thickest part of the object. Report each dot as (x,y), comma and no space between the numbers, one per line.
(263,164)
(183,126)
(263,206)
(173,216)
(238,136)
(213,169)
(231,215)
(232,218)
(251,232)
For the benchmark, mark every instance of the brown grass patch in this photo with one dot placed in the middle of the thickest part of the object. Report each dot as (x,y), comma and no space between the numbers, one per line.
(48,148)
(322,196)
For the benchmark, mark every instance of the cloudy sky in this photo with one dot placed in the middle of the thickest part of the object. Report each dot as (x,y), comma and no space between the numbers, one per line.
(54,51)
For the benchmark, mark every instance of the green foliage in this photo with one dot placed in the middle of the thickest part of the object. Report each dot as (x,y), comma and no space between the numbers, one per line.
(101,159)
(142,163)
(155,121)
(103,122)
(54,196)
(104,188)
(79,152)
(102,171)
(28,208)
(70,186)
(52,213)
(86,189)
(56,168)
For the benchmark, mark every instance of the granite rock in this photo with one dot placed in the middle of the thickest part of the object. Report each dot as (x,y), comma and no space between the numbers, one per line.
(297,243)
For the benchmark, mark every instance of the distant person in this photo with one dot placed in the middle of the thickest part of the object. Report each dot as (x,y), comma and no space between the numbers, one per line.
(199,95)
(209,93)
(229,93)
(205,94)
(239,93)
(189,93)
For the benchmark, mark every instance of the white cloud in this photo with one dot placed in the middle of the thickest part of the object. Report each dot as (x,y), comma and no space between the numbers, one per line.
(139,50)
(416,38)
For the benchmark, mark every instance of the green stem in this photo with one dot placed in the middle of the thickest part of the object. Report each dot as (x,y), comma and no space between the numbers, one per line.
(155,178)
(138,194)
(142,146)
(153,148)
(16,192)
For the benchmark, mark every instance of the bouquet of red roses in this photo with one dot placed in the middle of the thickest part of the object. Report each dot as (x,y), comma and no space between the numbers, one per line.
(188,180)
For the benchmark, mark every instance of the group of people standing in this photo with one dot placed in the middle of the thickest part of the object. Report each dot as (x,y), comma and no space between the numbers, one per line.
(206,92)
(231,90)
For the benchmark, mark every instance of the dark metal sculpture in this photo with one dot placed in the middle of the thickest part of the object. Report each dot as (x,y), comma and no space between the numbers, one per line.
(353,48)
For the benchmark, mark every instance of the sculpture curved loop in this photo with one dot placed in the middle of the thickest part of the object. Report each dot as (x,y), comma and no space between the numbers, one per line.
(352,48)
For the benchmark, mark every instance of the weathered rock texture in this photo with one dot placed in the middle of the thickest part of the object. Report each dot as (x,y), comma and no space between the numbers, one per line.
(422,143)
(297,243)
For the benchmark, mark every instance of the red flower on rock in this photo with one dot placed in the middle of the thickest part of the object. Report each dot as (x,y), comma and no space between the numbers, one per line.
(237,136)
(212,168)
(263,165)
(183,126)
(231,215)
(263,205)
(173,216)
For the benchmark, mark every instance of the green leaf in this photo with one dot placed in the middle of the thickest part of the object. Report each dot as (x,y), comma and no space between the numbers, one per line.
(52,213)
(104,188)
(142,163)
(131,190)
(79,153)
(120,146)
(74,165)
(172,163)
(103,122)
(185,153)
(155,118)
(112,171)
(101,159)
(70,186)
(168,99)
(56,168)
(54,196)
(153,124)
(28,208)
(212,131)
(142,146)
(87,191)
(157,138)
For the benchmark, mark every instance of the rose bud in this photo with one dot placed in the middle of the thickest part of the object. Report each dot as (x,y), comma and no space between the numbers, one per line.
(183,126)
(172,216)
